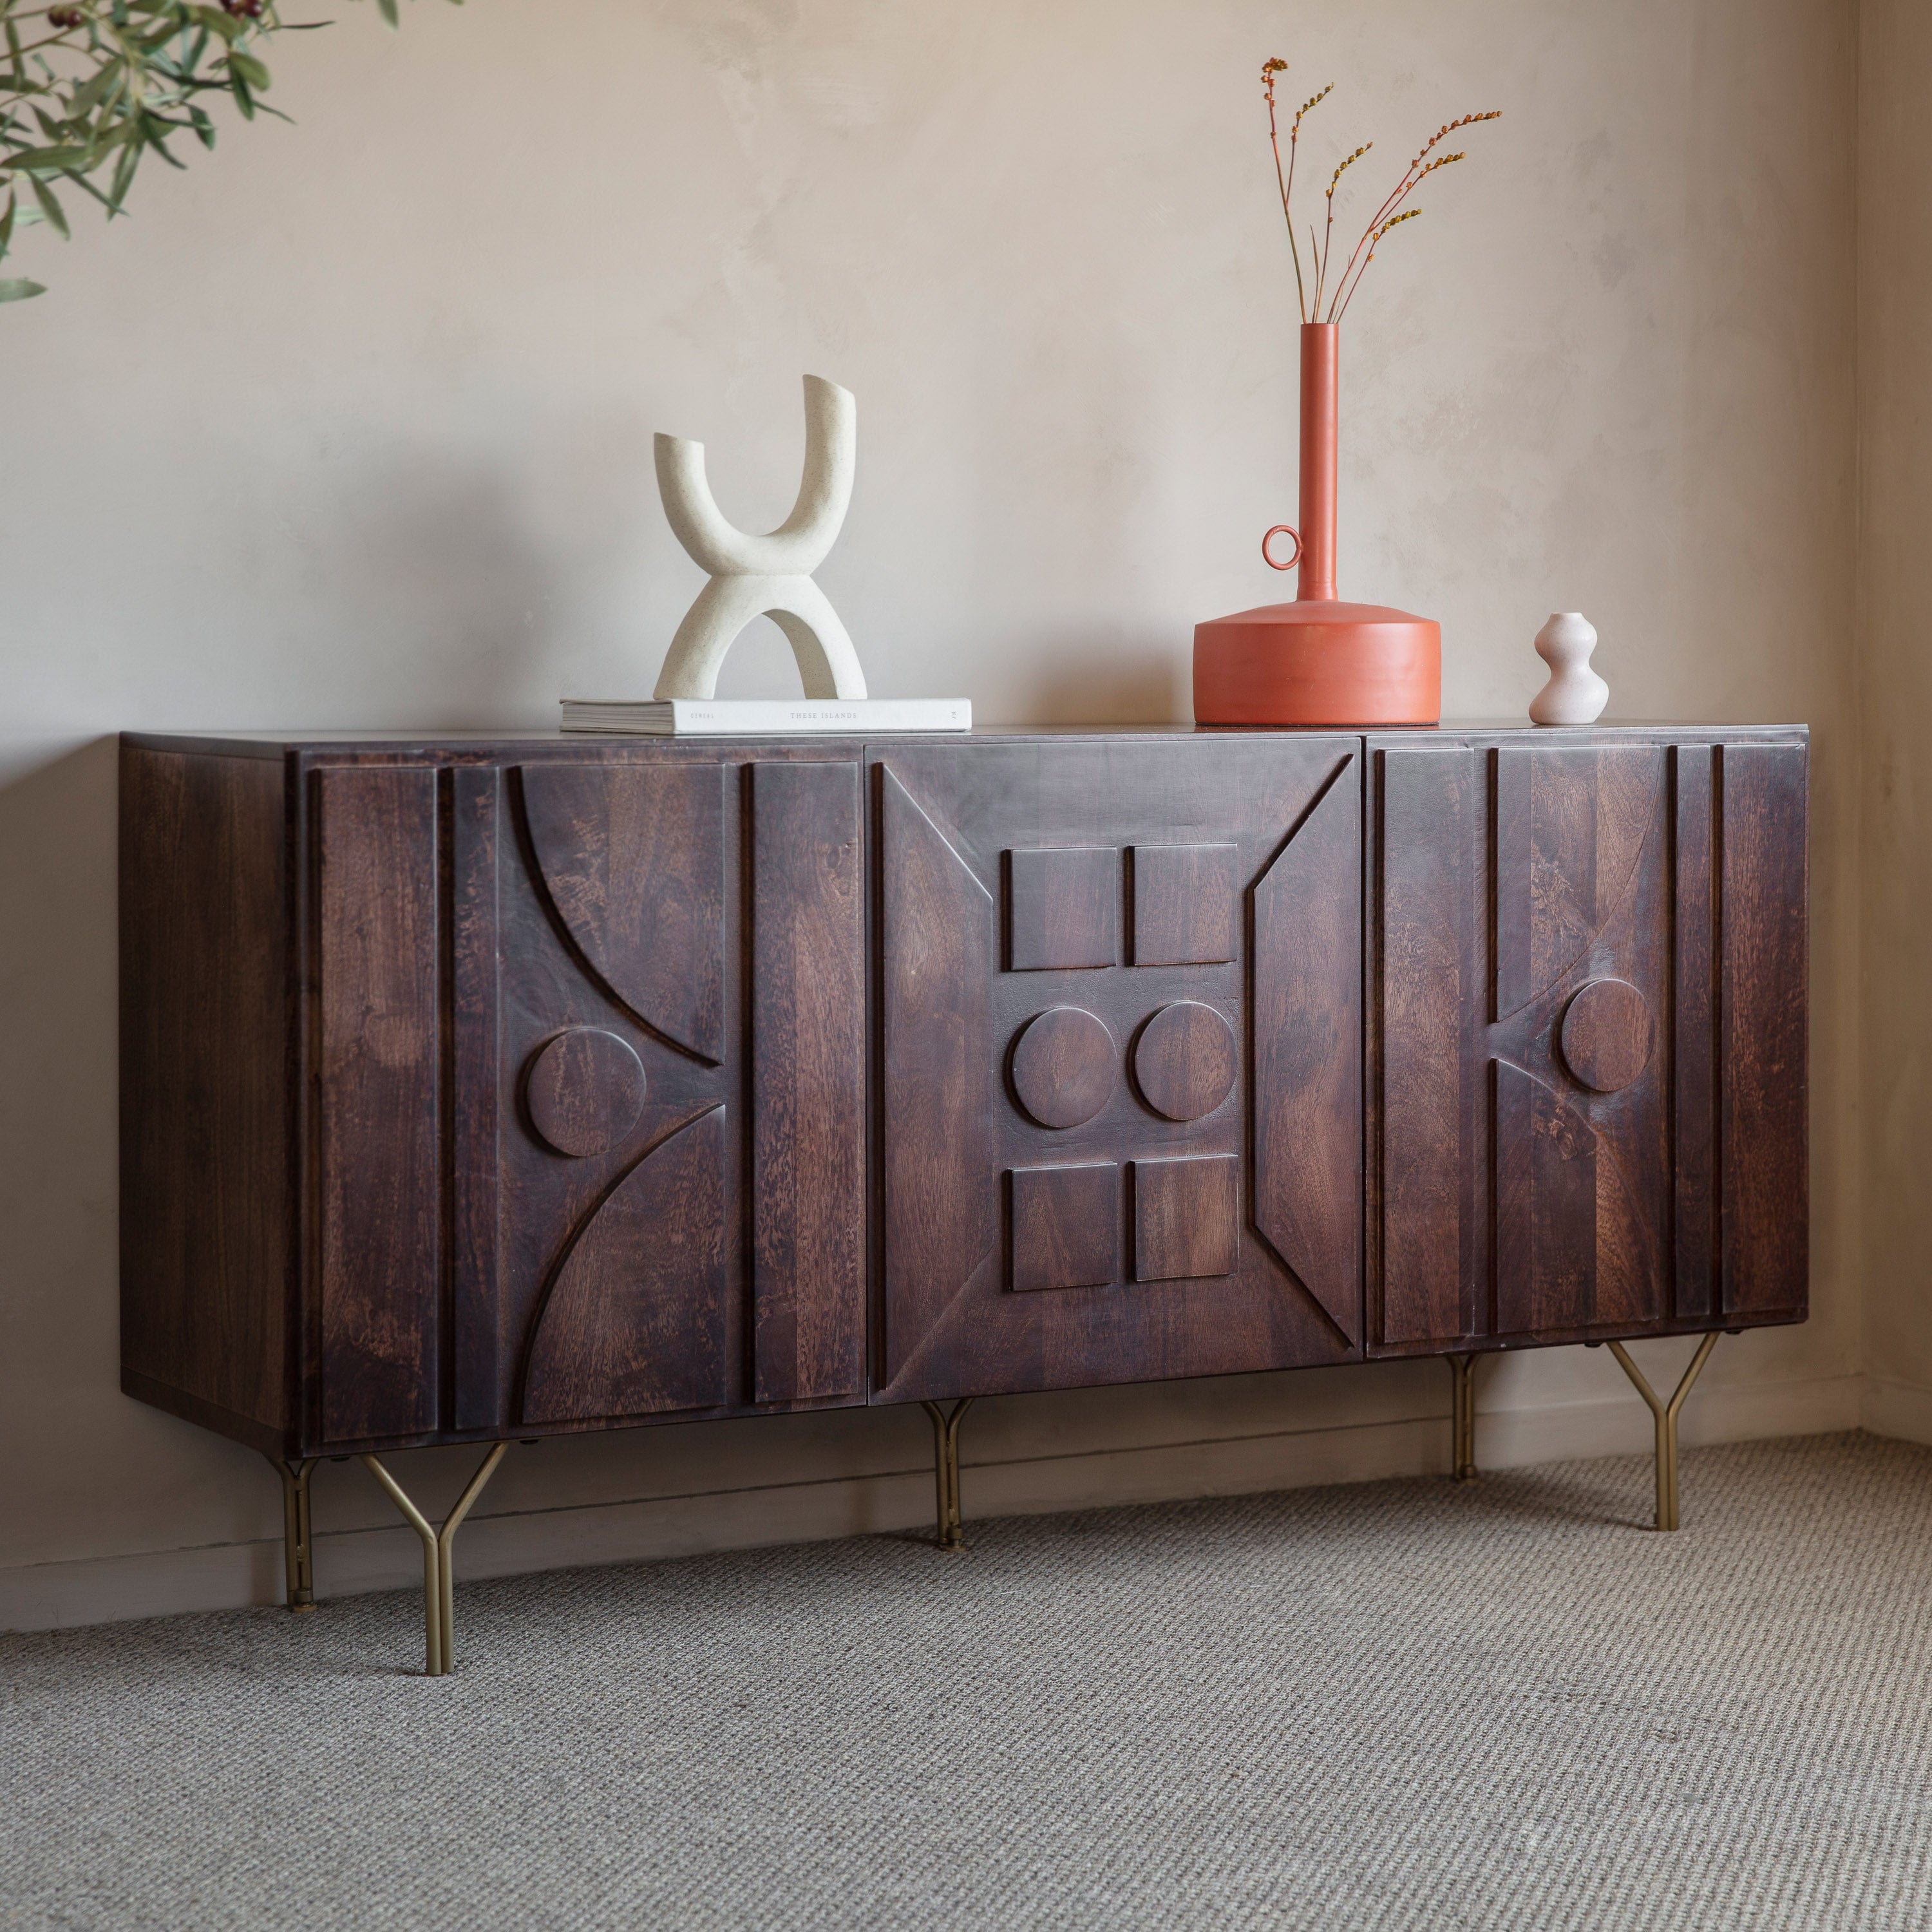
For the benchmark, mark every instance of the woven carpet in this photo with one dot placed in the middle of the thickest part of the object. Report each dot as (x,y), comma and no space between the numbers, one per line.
(1401,1704)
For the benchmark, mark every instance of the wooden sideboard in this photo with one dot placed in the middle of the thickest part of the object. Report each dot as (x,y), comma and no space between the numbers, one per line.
(475,1089)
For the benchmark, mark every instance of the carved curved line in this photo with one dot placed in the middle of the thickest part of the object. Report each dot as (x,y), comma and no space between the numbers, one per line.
(520,1395)
(799,545)
(526,844)
(1604,925)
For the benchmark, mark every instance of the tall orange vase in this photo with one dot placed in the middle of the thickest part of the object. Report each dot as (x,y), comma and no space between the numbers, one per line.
(1317,661)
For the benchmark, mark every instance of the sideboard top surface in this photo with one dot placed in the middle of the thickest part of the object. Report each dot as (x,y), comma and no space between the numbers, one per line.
(484,744)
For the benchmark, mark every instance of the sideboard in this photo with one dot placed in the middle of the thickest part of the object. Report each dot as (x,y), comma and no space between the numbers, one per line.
(477,1090)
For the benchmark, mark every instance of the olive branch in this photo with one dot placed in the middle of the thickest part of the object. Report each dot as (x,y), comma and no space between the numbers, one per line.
(1310,288)
(90,88)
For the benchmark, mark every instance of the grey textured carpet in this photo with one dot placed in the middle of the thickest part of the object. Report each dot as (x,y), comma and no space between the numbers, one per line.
(1399,1705)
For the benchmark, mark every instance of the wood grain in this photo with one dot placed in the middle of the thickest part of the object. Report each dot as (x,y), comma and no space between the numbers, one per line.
(1066,1227)
(1186,1217)
(633,860)
(377,1040)
(1186,904)
(1185,1060)
(1762,1040)
(1064,1067)
(1307,1053)
(584,1088)
(808,997)
(1063,908)
(1606,1035)
(1694,962)
(634,1322)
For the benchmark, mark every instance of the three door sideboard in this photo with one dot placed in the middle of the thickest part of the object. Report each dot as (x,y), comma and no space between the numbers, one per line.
(482,1089)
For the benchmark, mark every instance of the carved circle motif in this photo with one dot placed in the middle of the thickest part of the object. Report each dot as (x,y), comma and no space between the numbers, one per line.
(1063,1061)
(1606,1035)
(1185,1060)
(585,1089)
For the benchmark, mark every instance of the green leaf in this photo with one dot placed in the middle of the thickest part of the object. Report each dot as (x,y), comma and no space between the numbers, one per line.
(56,216)
(124,174)
(249,68)
(244,99)
(6,223)
(16,289)
(52,159)
(389,14)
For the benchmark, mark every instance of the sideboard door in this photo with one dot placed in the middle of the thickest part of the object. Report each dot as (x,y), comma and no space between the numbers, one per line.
(659,1067)
(1587,1038)
(1119,991)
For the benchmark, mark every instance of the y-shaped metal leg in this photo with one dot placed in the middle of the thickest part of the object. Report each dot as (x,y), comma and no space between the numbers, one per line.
(1666,1414)
(439,1563)
(1462,1450)
(946,1468)
(298,1552)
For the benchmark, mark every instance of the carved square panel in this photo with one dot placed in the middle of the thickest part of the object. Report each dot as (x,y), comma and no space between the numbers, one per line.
(1187,903)
(1186,1217)
(1063,907)
(1066,1226)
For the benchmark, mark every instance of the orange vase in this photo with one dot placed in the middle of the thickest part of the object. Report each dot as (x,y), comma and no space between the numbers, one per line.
(1317,661)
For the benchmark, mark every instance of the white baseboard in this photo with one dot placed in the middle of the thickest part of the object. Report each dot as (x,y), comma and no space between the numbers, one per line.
(1896,1408)
(236,1575)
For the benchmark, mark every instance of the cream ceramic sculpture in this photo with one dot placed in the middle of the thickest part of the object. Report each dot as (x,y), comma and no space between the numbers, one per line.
(769,576)
(1575,694)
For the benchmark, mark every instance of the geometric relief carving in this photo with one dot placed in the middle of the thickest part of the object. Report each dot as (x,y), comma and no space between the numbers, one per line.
(1066,1226)
(1063,907)
(633,1324)
(1606,1035)
(1063,1066)
(632,860)
(1307,1047)
(1185,1060)
(935,999)
(1187,902)
(1186,1217)
(585,1089)
(1570,827)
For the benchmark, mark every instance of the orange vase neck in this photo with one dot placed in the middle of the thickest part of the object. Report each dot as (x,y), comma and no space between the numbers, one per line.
(1320,393)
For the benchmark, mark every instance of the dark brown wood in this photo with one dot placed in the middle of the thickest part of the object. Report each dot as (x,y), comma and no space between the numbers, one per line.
(207,1229)
(584,1088)
(1186,904)
(1695,1149)
(1065,1066)
(1185,1060)
(1221,1297)
(808,997)
(1186,1217)
(633,860)
(633,1324)
(1065,1226)
(377,1037)
(1607,1033)
(1307,1049)
(1063,907)
(936,958)
(1763,1037)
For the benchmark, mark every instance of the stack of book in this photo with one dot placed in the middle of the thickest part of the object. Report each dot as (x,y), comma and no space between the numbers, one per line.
(769,717)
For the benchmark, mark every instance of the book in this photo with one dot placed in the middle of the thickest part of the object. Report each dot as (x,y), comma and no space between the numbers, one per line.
(768,717)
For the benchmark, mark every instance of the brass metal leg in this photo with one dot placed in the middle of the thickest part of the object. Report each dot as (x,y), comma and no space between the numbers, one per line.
(946,1468)
(439,1561)
(1666,1415)
(1463,1452)
(297,1549)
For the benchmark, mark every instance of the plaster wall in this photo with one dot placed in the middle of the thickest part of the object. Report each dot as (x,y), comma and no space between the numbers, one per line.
(350,425)
(1894,361)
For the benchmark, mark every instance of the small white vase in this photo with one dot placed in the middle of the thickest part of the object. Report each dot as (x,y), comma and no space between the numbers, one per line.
(1575,694)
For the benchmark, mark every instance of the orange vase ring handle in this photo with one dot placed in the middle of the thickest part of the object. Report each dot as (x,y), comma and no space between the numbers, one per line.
(1267,555)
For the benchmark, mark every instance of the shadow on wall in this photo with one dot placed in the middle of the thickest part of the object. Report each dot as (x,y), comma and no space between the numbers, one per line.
(59,1367)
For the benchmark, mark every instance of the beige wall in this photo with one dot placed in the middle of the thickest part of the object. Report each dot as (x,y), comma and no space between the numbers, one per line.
(1895,700)
(350,425)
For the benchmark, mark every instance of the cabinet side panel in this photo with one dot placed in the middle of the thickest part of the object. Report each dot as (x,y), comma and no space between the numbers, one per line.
(1761,1030)
(1428,805)
(375,1080)
(1696,1200)
(808,1083)
(205,1207)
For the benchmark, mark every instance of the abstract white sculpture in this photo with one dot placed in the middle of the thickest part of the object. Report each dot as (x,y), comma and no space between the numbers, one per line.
(768,576)
(1575,694)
